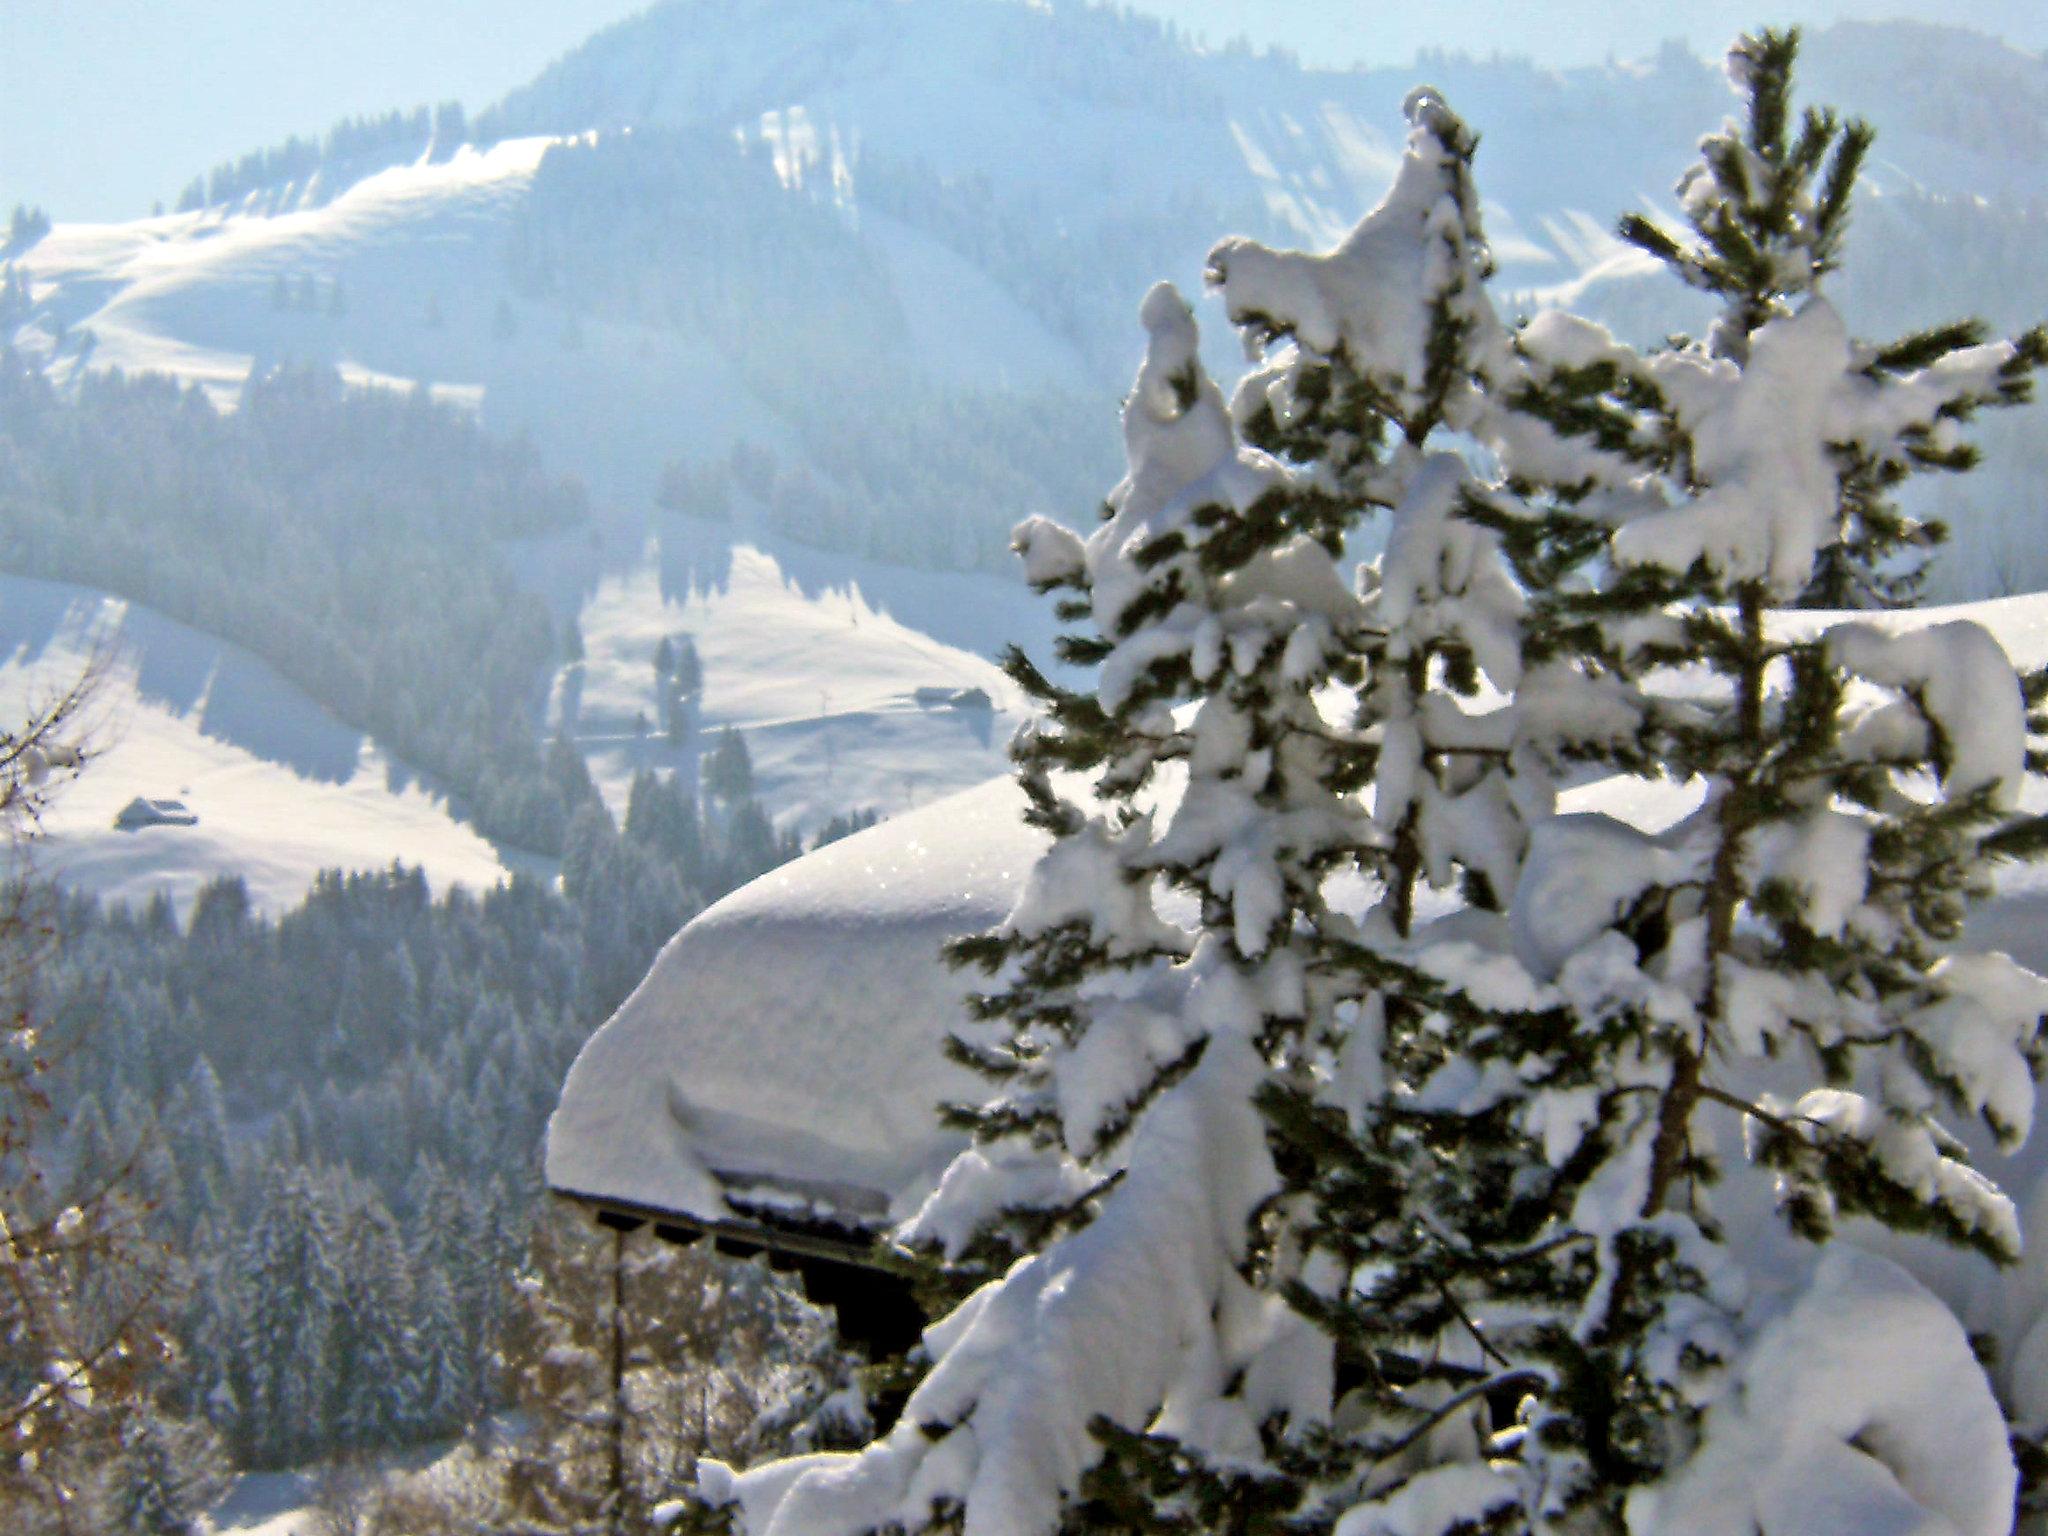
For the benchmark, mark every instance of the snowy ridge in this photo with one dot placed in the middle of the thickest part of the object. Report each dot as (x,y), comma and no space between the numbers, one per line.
(1083,125)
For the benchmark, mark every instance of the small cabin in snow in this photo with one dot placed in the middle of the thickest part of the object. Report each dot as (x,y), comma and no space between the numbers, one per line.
(141,812)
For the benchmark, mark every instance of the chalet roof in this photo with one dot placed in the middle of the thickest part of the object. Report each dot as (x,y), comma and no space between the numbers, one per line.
(145,812)
(782,1059)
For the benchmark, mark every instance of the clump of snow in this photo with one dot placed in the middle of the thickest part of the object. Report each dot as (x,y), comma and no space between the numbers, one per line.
(1860,1410)
(1765,436)
(1958,678)
(1910,1156)
(1581,874)
(1369,299)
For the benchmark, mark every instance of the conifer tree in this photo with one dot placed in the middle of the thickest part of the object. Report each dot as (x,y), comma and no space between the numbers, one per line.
(164,1478)
(1123,1161)
(1410,1225)
(729,771)
(1754,995)
(1768,205)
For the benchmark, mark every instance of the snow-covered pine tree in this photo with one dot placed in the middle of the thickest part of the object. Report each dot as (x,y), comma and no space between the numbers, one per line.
(1752,991)
(1170,973)
(164,1477)
(1768,204)
(1385,364)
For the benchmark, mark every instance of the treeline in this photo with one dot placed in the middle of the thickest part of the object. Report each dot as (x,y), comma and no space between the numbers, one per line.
(347,537)
(351,149)
(891,473)
(335,1115)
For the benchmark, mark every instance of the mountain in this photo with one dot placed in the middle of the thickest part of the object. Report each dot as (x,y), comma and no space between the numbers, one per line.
(896,244)
(855,282)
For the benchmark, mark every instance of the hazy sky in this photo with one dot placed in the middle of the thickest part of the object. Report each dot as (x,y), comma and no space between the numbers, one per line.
(106,105)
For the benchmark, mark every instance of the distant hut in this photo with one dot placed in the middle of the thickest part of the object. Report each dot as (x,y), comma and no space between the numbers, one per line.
(141,812)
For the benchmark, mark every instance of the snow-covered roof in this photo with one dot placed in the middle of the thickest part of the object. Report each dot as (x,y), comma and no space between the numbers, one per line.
(784,1051)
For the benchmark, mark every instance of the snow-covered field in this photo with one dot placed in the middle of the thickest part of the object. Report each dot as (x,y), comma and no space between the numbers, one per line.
(816,659)
(281,788)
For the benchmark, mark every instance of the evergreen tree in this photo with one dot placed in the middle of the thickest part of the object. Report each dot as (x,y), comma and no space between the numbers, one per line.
(729,771)
(1768,204)
(1444,1220)
(165,1478)
(1123,1157)
(1762,992)
(689,668)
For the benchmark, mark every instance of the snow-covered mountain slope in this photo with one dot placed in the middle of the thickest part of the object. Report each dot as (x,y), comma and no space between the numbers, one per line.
(398,279)
(1087,111)
(895,246)
(839,673)
(281,789)
(1012,176)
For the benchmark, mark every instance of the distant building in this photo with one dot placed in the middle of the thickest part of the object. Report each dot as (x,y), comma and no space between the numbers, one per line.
(141,812)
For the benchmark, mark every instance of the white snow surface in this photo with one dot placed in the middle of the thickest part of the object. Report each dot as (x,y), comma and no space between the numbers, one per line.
(1824,1435)
(790,1033)
(816,660)
(282,789)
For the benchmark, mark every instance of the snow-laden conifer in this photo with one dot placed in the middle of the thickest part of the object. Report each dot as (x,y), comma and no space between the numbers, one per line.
(1751,990)
(1456,1214)
(1173,993)
(1381,383)
(1768,208)
(1156,973)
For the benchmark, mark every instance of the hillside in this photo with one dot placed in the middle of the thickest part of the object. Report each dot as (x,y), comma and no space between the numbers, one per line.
(818,660)
(282,790)
(876,267)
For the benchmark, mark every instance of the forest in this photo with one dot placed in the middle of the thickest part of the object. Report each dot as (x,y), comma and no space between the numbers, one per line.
(322,1135)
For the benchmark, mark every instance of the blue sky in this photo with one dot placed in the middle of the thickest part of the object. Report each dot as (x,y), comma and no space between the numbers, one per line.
(106,105)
